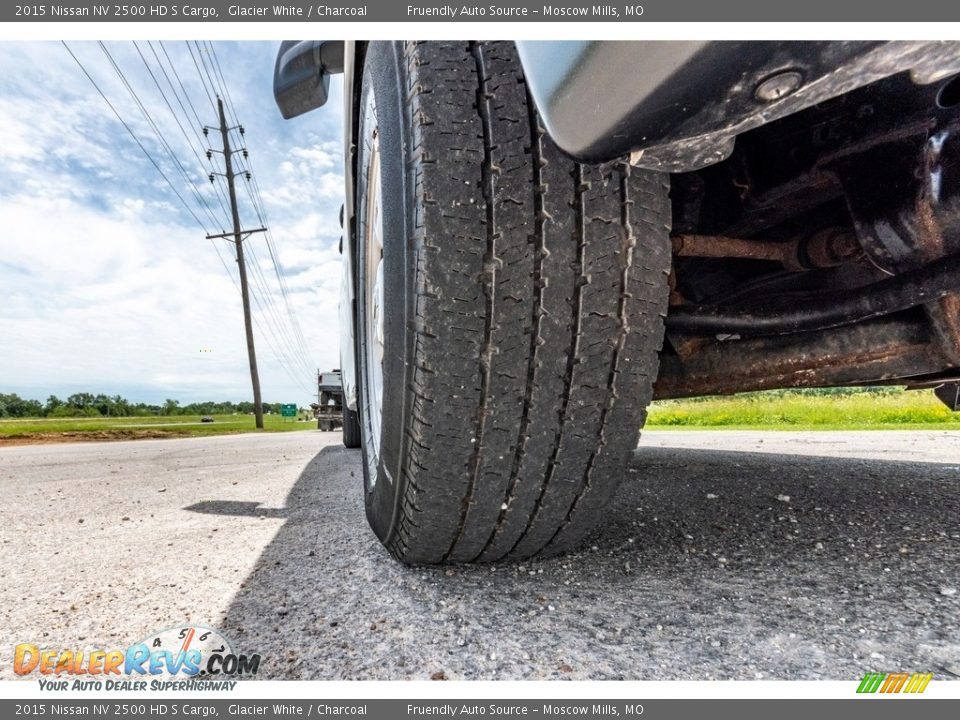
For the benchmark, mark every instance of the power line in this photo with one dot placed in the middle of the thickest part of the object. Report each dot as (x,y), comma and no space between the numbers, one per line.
(160,136)
(215,62)
(274,344)
(224,91)
(210,95)
(260,207)
(219,181)
(267,306)
(284,290)
(276,329)
(134,136)
(298,338)
(285,363)
(205,78)
(256,201)
(295,340)
(268,297)
(281,326)
(239,236)
(173,69)
(281,280)
(186,96)
(282,357)
(269,333)
(176,117)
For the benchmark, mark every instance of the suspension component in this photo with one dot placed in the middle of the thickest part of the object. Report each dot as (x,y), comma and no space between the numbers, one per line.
(825,248)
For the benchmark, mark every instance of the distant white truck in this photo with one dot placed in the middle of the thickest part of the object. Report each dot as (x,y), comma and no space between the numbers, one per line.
(330,410)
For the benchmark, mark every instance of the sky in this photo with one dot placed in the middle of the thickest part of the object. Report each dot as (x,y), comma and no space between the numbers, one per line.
(107,283)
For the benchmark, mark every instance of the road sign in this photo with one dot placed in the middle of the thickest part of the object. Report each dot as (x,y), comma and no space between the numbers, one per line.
(288,410)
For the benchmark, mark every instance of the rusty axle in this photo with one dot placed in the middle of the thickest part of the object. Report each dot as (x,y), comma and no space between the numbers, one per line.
(822,249)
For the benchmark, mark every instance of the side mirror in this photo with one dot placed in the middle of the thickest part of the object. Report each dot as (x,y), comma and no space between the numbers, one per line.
(301,76)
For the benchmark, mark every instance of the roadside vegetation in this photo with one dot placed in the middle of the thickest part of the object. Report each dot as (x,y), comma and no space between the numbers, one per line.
(96,417)
(112,406)
(85,416)
(886,408)
(30,430)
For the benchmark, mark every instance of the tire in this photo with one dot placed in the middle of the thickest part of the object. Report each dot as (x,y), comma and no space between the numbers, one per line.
(351,428)
(523,297)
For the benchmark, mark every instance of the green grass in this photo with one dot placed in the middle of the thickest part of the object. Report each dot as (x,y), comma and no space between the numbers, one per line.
(134,427)
(890,410)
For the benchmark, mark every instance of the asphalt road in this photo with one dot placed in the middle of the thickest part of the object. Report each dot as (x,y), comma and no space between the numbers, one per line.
(727,555)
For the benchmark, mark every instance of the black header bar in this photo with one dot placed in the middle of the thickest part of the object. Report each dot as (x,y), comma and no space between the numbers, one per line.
(501,11)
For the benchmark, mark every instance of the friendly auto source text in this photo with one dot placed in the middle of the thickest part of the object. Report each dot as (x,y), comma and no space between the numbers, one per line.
(505,11)
(503,709)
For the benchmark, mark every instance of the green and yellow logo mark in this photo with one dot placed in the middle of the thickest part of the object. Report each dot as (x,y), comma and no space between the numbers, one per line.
(894,682)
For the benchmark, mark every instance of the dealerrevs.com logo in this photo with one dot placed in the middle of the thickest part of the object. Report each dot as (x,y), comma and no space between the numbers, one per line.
(171,659)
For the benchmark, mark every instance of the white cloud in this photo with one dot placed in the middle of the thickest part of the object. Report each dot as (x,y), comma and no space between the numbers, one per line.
(323,156)
(109,284)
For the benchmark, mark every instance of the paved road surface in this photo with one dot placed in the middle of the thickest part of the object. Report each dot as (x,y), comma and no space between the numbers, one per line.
(728,555)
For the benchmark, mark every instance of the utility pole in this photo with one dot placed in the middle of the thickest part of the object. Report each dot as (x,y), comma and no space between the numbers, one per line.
(238,238)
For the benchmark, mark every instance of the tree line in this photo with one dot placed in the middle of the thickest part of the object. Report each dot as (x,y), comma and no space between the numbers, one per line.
(100,405)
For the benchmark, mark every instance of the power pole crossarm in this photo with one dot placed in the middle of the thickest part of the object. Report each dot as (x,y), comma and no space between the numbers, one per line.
(246,234)
(238,236)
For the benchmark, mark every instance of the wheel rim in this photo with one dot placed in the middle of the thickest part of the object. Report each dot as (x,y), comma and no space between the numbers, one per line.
(373,307)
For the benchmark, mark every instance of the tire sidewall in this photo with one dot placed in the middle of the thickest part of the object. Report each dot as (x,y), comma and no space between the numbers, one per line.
(382,108)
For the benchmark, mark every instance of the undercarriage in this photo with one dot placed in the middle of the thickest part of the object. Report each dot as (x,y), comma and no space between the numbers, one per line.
(823,251)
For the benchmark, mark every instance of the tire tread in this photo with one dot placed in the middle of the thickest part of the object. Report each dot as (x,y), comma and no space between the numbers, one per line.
(540,295)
